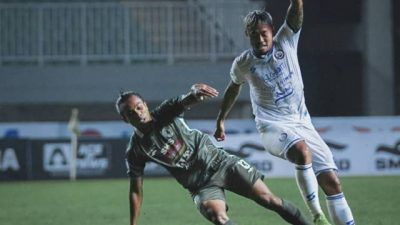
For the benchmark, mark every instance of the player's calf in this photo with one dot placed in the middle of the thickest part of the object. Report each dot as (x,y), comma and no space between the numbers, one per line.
(289,212)
(264,197)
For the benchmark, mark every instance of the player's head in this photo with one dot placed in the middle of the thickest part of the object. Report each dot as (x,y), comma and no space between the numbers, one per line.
(259,28)
(132,108)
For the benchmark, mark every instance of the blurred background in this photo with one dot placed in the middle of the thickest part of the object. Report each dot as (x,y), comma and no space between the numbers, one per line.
(57,55)
(64,62)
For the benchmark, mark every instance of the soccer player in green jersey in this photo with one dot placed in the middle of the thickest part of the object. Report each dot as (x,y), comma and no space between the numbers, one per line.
(163,137)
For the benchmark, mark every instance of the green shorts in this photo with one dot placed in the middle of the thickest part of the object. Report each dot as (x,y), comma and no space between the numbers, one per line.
(234,174)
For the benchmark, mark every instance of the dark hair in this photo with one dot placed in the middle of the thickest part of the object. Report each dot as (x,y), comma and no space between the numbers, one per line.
(255,17)
(123,97)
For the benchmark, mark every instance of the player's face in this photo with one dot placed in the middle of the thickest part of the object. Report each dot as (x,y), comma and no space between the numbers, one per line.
(135,111)
(261,37)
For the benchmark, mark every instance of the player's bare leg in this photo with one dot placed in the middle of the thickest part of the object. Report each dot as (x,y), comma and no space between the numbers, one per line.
(338,209)
(307,183)
(215,211)
(264,197)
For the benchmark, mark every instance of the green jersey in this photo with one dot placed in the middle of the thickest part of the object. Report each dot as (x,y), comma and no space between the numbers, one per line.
(188,154)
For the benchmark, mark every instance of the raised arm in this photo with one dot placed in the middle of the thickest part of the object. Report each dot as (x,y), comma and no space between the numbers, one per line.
(230,96)
(294,16)
(135,199)
(198,93)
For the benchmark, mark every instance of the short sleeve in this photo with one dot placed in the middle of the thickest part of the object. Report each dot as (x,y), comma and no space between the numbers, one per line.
(135,163)
(286,36)
(236,73)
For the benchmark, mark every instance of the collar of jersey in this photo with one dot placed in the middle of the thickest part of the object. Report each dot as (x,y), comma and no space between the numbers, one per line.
(266,55)
(139,133)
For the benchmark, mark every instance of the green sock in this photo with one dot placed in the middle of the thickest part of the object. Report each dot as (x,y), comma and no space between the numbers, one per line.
(292,214)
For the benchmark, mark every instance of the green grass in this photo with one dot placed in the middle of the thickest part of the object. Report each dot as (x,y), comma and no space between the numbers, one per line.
(374,201)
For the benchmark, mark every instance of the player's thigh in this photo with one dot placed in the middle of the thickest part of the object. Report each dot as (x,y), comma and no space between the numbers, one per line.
(242,177)
(277,139)
(322,158)
(210,201)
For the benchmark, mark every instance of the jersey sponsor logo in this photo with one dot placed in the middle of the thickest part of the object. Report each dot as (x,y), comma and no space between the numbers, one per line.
(279,54)
(279,80)
(169,150)
(270,73)
(275,72)
(9,160)
(286,92)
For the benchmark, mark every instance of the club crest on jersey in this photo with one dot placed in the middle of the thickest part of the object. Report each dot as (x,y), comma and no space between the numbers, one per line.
(166,132)
(283,137)
(279,54)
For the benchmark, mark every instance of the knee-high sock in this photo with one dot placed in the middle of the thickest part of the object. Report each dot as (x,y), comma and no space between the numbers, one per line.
(339,210)
(229,222)
(308,185)
(292,214)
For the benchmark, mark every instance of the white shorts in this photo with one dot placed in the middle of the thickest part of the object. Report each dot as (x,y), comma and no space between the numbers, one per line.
(278,138)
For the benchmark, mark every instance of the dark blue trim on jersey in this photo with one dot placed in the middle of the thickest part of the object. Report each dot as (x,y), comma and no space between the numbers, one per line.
(325,170)
(335,197)
(291,144)
(351,222)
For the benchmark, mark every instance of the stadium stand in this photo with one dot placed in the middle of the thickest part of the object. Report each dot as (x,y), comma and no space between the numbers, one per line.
(55,55)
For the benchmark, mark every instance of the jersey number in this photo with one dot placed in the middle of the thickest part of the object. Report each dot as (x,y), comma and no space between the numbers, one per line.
(245,165)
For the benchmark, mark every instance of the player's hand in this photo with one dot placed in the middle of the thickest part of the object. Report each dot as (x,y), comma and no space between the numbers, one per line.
(219,133)
(202,91)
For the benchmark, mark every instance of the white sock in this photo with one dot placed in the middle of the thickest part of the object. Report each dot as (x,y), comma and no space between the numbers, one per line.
(308,185)
(339,210)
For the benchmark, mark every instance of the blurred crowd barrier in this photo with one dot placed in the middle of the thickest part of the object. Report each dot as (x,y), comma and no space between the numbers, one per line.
(362,146)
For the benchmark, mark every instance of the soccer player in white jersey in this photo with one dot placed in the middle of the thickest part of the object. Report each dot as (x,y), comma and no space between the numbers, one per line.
(271,69)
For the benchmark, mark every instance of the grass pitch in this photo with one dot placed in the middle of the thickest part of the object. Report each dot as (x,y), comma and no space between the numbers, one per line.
(374,201)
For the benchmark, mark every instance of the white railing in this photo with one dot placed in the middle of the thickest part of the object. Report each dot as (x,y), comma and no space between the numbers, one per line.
(126,32)
(228,16)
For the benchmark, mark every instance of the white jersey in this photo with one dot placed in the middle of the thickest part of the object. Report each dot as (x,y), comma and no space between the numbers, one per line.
(276,85)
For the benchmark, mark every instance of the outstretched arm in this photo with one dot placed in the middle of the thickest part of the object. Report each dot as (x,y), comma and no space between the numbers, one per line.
(198,92)
(135,199)
(230,96)
(294,16)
